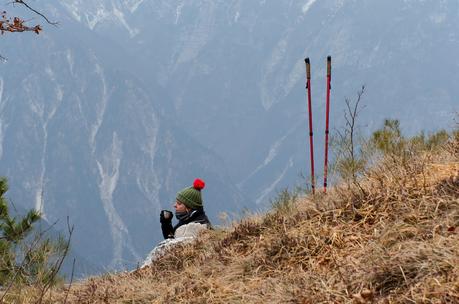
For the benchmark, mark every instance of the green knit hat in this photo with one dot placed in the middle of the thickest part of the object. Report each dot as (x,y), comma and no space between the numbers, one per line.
(191,196)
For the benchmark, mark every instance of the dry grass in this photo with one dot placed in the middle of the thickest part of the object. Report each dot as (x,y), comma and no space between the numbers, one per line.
(391,238)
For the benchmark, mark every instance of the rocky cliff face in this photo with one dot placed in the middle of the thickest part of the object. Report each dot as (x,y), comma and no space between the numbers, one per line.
(234,69)
(105,117)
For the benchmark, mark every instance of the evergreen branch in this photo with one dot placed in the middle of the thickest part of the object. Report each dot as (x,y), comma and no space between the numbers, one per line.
(22,265)
(56,268)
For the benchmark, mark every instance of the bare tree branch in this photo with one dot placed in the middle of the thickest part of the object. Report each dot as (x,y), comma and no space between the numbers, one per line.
(349,160)
(71,281)
(16,25)
(35,11)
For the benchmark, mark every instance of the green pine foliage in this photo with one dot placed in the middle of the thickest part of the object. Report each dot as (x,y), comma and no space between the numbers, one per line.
(26,256)
(432,141)
(390,141)
(354,156)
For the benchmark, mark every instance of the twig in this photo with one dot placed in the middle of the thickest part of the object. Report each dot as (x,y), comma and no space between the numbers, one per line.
(36,12)
(71,281)
(348,286)
(404,277)
(58,264)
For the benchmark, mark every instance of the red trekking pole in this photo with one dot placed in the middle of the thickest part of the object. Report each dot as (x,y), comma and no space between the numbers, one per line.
(327,121)
(311,134)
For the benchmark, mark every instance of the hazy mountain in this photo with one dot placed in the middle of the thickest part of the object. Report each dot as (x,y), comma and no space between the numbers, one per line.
(82,136)
(235,70)
(105,117)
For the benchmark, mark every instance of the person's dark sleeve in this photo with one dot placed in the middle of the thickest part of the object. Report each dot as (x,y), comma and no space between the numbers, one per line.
(166,227)
(168,230)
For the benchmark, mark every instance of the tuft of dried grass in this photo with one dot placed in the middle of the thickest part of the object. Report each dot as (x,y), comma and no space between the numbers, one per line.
(393,237)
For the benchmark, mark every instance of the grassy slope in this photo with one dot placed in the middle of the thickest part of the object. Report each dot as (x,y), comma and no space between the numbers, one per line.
(393,238)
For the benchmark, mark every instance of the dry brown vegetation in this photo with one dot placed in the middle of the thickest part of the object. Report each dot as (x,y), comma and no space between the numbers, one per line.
(391,238)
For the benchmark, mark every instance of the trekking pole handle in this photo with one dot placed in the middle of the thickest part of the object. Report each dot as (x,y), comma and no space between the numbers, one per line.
(328,65)
(308,68)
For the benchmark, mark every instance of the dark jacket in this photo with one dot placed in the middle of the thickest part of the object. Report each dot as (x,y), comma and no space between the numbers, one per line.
(195,216)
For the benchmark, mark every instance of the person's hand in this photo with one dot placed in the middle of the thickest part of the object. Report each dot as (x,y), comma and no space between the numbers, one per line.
(165,216)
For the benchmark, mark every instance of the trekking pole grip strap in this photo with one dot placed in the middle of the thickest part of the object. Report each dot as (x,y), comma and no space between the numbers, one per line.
(308,68)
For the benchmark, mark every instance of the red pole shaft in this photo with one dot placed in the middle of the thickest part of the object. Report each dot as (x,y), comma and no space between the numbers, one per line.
(311,134)
(327,122)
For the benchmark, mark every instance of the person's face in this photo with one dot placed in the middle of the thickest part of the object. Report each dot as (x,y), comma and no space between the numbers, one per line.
(179,207)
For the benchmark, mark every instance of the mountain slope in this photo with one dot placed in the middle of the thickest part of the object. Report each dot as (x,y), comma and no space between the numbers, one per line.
(392,238)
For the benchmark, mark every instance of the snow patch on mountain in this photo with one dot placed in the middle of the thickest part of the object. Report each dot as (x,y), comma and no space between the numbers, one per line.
(178,12)
(45,117)
(295,75)
(199,35)
(148,181)
(149,146)
(278,53)
(70,60)
(109,172)
(94,13)
(265,193)
(101,106)
(133,5)
(236,17)
(150,185)
(73,7)
(272,154)
(120,16)
(268,159)
(93,19)
(307,6)
(39,192)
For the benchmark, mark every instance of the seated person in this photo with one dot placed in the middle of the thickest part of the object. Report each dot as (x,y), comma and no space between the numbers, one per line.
(191,217)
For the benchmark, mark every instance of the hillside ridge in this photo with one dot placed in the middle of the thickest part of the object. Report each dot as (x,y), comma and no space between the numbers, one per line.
(392,237)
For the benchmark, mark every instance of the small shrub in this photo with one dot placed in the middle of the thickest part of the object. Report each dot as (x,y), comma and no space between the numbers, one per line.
(348,143)
(430,142)
(285,202)
(389,139)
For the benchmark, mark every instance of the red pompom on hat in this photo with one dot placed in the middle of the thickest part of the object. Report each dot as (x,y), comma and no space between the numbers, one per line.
(199,184)
(191,196)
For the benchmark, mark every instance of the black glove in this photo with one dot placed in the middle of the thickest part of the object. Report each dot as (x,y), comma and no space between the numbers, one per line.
(165,216)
